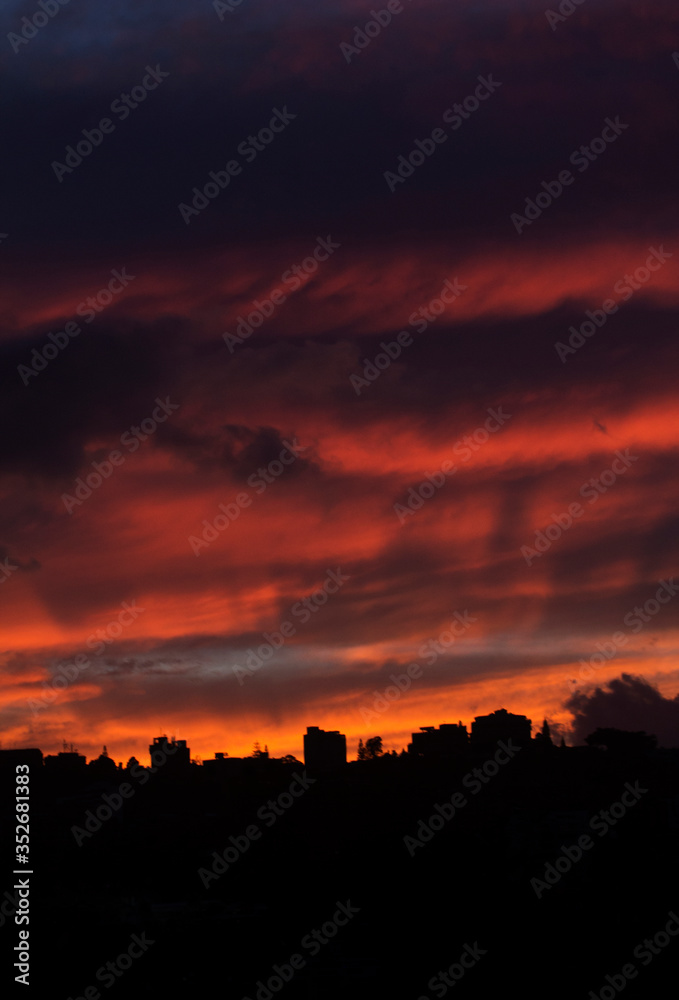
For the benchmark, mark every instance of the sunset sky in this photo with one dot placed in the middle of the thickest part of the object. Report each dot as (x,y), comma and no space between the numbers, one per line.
(363,443)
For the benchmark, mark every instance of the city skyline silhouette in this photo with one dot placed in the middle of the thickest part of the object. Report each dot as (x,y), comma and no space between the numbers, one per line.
(339,632)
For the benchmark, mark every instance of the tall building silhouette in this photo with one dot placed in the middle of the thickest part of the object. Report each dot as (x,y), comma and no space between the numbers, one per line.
(171,755)
(500,725)
(324,750)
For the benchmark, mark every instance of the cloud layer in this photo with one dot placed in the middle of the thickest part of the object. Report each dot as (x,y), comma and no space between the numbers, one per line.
(367,443)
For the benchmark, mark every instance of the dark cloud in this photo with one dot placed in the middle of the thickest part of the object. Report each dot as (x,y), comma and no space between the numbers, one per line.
(629,703)
(105,380)
(329,165)
(10,559)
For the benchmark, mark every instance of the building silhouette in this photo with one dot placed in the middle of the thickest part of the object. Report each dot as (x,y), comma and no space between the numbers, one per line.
(500,725)
(323,750)
(224,766)
(103,766)
(432,742)
(66,762)
(172,755)
(11,758)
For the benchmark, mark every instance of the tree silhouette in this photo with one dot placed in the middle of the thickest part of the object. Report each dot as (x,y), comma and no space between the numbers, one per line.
(544,737)
(373,747)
